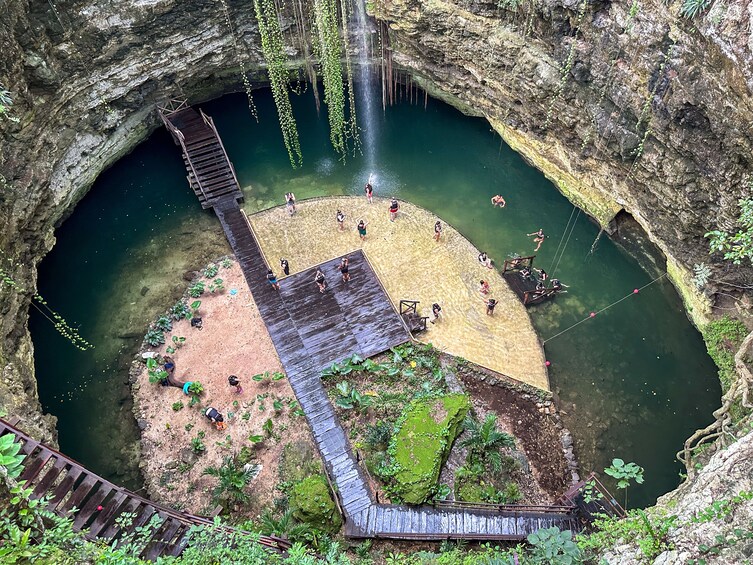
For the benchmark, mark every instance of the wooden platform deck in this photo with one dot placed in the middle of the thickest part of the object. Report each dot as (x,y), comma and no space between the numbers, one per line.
(525,287)
(100,503)
(311,330)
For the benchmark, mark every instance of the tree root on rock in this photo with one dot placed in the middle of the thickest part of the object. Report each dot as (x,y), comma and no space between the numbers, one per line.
(721,425)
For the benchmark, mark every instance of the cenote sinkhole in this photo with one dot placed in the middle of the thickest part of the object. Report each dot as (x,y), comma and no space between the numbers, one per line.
(634,381)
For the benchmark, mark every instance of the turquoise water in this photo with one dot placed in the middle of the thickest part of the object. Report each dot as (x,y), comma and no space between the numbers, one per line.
(634,381)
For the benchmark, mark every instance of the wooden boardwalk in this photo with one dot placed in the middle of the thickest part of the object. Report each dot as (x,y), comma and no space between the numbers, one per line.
(100,503)
(310,331)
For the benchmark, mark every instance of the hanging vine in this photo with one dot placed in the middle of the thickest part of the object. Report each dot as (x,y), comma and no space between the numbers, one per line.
(567,67)
(272,47)
(241,62)
(351,125)
(58,322)
(329,50)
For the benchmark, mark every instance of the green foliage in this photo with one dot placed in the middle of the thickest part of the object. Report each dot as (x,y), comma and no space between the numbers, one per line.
(217,285)
(195,308)
(349,398)
(378,436)
(268,427)
(720,509)
(154,337)
(692,8)
(511,5)
(197,443)
(178,406)
(226,263)
(550,545)
(484,440)
(425,433)
(180,311)
(723,338)
(591,493)
(164,324)
(9,457)
(195,388)
(624,473)
(232,478)
(210,271)
(328,46)
(277,68)
(156,373)
(736,246)
(650,534)
(312,503)
(197,289)
(701,275)
(58,322)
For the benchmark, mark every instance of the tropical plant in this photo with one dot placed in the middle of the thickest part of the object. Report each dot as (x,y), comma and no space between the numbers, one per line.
(232,479)
(692,8)
(164,324)
(226,263)
(10,460)
(736,246)
(624,473)
(197,443)
(195,388)
(156,373)
(591,493)
(197,289)
(277,68)
(154,337)
(180,310)
(550,545)
(701,275)
(217,285)
(178,406)
(349,398)
(268,427)
(484,441)
(210,271)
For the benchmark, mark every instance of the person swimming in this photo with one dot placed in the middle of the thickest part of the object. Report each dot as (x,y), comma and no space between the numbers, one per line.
(497,200)
(539,238)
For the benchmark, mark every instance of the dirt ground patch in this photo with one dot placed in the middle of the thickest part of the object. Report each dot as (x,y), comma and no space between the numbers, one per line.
(233,341)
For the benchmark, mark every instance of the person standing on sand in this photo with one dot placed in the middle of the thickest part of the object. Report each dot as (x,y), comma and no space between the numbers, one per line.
(320,281)
(369,191)
(340,217)
(497,200)
(362,229)
(436,309)
(284,266)
(394,207)
(290,202)
(437,231)
(490,304)
(232,380)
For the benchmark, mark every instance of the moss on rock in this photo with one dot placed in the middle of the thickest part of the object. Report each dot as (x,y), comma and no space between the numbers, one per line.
(422,443)
(313,504)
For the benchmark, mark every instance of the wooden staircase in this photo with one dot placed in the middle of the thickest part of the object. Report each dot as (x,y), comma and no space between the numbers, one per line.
(99,503)
(210,173)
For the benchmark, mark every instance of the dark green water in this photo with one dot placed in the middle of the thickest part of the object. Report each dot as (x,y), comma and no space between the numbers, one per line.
(635,380)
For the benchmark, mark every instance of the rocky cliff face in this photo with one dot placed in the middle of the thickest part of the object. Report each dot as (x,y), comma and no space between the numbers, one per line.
(625,106)
(625,109)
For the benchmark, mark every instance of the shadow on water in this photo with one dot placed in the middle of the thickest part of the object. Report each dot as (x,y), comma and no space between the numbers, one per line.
(634,381)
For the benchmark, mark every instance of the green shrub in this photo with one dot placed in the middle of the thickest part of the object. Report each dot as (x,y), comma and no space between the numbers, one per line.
(197,289)
(154,337)
(312,504)
(180,310)
(210,271)
(426,431)
(178,406)
(723,338)
(164,324)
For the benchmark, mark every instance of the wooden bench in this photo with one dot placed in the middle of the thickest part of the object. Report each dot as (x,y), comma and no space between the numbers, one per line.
(409,312)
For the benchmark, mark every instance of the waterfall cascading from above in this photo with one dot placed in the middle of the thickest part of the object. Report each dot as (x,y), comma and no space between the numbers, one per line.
(365,88)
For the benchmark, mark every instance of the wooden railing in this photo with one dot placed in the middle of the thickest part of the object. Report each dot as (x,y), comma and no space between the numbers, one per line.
(506,508)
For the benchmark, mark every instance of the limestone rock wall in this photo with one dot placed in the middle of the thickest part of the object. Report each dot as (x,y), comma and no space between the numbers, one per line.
(575,86)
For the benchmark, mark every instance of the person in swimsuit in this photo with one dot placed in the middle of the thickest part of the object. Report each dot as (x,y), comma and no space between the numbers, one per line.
(394,207)
(484,288)
(362,229)
(525,272)
(490,304)
(484,260)
(232,380)
(436,309)
(539,237)
(558,286)
(272,279)
(369,190)
(340,217)
(284,266)
(541,274)
(344,269)
(290,202)
(437,231)
(320,281)
(498,201)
